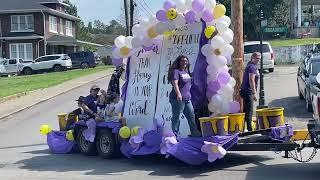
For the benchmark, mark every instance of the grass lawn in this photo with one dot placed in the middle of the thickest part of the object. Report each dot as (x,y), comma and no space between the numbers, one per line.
(20,84)
(294,42)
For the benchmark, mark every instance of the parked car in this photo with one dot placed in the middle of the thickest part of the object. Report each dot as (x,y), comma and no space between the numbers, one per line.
(12,66)
(84,59)
(306,78)
(55,63)
(268,55)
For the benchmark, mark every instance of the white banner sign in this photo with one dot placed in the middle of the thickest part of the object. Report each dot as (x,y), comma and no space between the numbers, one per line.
(185,41)
(142,88)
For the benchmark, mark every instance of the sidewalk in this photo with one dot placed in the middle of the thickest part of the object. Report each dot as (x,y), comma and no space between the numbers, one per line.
(17,104)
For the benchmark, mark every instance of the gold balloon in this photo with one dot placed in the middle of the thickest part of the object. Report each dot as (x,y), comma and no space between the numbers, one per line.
(217,52)
(209,31)
(167,33)
(219,11)
(134,131)
(124,51)
(69,135)
(124,132)
(152,32)
(172,14)
(45,129)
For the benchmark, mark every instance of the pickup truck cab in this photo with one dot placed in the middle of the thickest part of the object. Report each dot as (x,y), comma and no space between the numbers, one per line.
(12,66)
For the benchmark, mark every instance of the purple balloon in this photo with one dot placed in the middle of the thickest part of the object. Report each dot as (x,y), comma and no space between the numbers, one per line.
(146,48)
(169,4)
(114,47)
(117,62)
(223,77)
(234,107)
(197,5)
(190,17)
(210,94)
(207,16)
(214,86)
(161,16)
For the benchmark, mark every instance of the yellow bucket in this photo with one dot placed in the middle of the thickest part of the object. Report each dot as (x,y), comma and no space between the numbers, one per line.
(212,126)
(270,117)
(236,122)
(62,121)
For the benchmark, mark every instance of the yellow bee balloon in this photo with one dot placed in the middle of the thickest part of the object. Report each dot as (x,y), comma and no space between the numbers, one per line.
(45,129)
(124,132)
(209,31)
(69,135)
(172,14)
(134,131)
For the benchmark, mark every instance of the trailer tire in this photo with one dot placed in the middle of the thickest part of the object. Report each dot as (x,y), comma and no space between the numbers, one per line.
(106,144)
(85,147)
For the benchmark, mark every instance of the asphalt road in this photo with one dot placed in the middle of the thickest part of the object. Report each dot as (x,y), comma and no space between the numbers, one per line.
(24,154)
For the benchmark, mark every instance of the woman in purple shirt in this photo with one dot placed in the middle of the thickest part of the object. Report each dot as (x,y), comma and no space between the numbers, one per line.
(248,89)
(180,96)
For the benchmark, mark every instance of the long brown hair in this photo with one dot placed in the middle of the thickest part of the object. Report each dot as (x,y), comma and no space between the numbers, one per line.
(176,65)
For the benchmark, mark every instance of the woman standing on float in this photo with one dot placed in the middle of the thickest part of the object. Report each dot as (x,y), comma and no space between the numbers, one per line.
(180,96)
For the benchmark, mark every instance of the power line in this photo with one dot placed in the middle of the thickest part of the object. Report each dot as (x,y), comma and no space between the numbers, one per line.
(144,11)
(148,6)
(149,13)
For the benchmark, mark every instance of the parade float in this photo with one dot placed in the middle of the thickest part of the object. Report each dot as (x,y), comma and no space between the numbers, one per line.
(200,30)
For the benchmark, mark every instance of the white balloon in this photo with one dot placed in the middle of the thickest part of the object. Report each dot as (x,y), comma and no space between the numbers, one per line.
(226,19)
(207,50)
(136,42)
(232,82)
(211,107)
(212,75)
(180,20)
(227,50)
(160,27)
(116,53)
(199,16)
(217,42)
(222,26)
(136,30)
(210,4)
(225,68)
(219,62)
(318,77)
(217,100)
(227,36)
(120,41)
(128,41)
(170,25)
(143,22)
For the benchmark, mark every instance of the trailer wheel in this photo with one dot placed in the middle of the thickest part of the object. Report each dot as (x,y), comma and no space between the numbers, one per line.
(85,147)
(106,144)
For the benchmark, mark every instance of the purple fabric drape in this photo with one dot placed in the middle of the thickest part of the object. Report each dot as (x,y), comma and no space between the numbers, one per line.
(199,86)
(58,142)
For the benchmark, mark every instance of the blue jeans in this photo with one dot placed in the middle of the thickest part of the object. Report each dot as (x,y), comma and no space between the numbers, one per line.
(186,108)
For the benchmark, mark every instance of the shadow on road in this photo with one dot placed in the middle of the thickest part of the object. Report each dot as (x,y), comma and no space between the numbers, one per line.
(156,165)
(294,107)
(296,171)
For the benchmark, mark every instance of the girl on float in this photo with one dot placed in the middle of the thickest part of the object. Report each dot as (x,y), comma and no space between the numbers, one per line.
(180,97)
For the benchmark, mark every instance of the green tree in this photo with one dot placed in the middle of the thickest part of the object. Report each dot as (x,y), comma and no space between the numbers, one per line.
(251,13)
(72,10)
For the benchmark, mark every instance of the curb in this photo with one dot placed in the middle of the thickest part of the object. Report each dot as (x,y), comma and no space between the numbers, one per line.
(3,117)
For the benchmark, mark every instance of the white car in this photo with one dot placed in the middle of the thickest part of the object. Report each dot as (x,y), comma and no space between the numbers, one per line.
(54,62)
(12,66)
(268,55)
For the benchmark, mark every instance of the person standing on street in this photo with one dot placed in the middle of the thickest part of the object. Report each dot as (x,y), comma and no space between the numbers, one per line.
(248,90)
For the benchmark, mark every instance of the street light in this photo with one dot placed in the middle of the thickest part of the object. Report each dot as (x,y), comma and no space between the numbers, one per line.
(261,93)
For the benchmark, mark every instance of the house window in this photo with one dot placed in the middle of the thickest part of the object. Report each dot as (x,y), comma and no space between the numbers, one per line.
(21,50)
(53,26)
(69,28)
(22,23)
(61,26)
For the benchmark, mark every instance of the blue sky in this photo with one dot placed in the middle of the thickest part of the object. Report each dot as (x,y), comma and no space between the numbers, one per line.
(106,10)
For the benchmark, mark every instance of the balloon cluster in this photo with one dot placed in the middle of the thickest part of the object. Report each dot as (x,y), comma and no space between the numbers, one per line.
(45,129)
(218,51)
(125,131)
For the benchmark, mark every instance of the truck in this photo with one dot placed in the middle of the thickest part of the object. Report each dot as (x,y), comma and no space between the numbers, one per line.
(12,66)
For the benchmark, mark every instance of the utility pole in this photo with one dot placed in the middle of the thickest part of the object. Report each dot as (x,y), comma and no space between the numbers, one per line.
(261,93)
(237,59)
(131,15)
(125,2)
